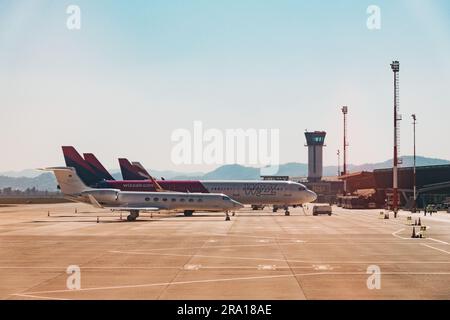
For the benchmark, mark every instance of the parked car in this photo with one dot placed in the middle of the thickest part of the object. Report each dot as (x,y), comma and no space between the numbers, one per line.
(322,210)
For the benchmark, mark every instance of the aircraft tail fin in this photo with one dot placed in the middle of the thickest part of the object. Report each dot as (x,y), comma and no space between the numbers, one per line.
(129,172)
(84,170)
(141,170)
(68,180)
(97,166)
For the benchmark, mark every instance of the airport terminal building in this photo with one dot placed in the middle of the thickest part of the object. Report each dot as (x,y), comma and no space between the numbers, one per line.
(432,182)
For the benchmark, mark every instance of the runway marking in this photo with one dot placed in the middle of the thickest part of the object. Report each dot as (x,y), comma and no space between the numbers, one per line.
(266,267)
(225,246)
(191,267)
(37,293)
(146,268)
(322,267)
(282,260)
(426,245)
(40,297)
(157,284)
(397,236)
(440,241)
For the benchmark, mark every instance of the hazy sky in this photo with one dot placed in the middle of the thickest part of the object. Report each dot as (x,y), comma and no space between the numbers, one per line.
(138,70)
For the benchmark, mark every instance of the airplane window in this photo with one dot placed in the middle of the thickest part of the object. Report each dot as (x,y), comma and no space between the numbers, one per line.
(155,199)
(199,200)
(182,200)
(164,199)
(147,199)
(191,200)
(174,200)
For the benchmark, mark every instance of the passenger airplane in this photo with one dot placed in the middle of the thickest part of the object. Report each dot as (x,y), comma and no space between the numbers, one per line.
(282,194)
(74,189)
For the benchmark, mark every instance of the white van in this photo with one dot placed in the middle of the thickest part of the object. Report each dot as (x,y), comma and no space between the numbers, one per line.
(325,209)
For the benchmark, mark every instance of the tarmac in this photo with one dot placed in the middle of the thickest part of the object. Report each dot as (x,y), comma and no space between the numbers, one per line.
(353,254)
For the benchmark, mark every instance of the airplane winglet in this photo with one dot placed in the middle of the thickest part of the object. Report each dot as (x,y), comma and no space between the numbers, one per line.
(95,202)
(157,185)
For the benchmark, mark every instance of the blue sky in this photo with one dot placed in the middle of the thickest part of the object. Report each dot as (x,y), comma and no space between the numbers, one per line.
(137,70)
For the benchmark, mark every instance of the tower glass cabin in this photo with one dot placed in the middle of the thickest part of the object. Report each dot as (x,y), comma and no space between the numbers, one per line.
(315,141)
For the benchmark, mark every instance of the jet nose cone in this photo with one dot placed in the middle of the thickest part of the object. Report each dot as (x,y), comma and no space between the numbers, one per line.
(312,196)
(237,205)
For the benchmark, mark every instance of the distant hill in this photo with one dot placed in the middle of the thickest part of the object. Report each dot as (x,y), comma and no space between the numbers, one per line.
(167,174)
(408,161)
(46,181)
(28,173)
(234,172)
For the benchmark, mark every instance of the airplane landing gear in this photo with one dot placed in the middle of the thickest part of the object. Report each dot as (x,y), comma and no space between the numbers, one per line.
(286,211)
(227,216)
(275,209)
(133,215)
(188,213)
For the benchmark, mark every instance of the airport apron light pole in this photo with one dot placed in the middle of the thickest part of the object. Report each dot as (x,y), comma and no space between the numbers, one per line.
(395,66)
(339,162)
(414,172)
(345,112)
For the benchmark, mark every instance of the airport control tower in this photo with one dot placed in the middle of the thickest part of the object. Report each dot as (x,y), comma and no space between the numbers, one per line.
(315,141)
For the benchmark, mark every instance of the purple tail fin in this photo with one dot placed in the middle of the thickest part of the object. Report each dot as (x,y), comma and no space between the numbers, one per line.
(75,160)
(130,172)
(97,166)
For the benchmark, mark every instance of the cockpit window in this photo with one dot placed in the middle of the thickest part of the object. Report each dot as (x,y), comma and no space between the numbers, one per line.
(226,198)
(301,188)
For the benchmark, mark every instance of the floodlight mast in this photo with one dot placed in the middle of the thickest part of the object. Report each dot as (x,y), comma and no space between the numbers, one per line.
(395,66)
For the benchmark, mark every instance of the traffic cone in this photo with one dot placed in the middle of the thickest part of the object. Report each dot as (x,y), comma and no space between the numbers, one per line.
(98,219)
(420,222)
(414,233)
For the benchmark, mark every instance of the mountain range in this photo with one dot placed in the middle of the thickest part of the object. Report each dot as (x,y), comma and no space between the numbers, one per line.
(22,180)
